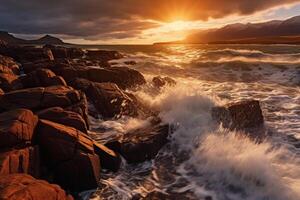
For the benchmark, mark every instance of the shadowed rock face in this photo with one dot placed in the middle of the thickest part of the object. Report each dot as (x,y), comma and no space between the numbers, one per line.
(60,52)
(142,144)
(69,154)
(26,160)
(17,127)
(103,55)
(246,116)
(61,116)
(23,186)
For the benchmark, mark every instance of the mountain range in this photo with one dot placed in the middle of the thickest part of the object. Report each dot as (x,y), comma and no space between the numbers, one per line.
(47,39)
(271,32)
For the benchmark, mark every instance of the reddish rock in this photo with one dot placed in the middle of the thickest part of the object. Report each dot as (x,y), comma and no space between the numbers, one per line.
(61,116)
(40,98)
(142,144)
(159,81)
(9,82)
(16,127)
(25,187)
(108,158)
(103,55)
(69,154)
(24,160)
(242,115)
(9,63)
(41,78)
(1,92)
(25,54)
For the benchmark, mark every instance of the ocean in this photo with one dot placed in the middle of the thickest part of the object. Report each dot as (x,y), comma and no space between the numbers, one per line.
(204,160)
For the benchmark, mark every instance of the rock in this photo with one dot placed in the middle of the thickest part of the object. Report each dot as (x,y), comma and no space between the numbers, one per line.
(60,52)
(1,92)
(131,62)
(40,98)
(26,160)
(109,100)
(69,154)
(17,127)
(103,55)
(122,76)
(159,81)
(23,187)
(142,144)
(41,78)
(25,54)
(9,82)
(61,116)
(108,158)
(242,115)
(10,64)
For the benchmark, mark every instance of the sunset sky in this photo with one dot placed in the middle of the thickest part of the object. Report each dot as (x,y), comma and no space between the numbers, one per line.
(133,21)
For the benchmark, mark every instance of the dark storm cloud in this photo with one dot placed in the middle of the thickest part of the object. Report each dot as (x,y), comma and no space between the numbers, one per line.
(92,19)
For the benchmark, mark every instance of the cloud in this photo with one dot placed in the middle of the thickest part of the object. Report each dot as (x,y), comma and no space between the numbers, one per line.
(91,19)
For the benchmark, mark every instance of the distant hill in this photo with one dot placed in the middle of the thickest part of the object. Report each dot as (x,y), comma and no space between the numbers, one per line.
(47,39)
(276,31)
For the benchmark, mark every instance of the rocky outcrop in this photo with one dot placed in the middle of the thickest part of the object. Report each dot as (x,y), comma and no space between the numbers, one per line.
(25,54)
(159,81)
(61,116)
(69,154)
(26,160)
(103,55)
(244,115)
(17,128)
(60,52)
(142,144)
(40,98)
(41,78)
(23,186)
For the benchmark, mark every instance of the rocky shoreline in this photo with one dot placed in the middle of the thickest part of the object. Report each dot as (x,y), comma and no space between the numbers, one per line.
(44,137)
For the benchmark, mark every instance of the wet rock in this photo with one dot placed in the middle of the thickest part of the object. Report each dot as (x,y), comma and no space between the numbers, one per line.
(23,186)
(25,54)
(40,98)
(17,127)
(103,55)
(69,154)
(242,115)
(1,92)
(159,81)
(60,52)
(26,160)
(142,144)
(108,158)
(131,62)
(41,78)
(61,116)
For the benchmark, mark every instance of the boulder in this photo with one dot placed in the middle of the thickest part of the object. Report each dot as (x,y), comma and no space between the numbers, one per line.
(159,81)
(103,55)
(10,63)
(61,116)
(25,54)
(109,100)
(9,82)
(60,52)
(24,160)
(25,187)
(141,144)
(17,127)
(1,92)
(40,98)
(69,154)
(242,115)
(109,159)
(41,78)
